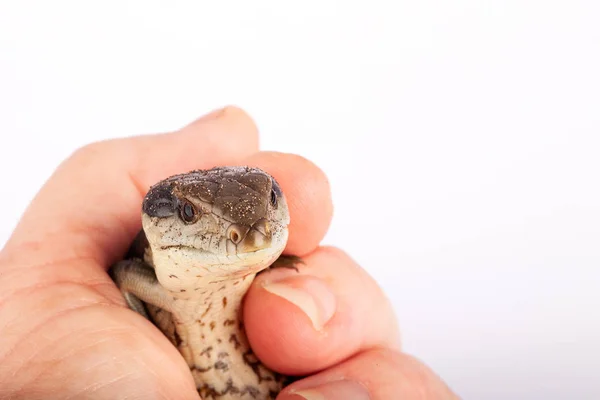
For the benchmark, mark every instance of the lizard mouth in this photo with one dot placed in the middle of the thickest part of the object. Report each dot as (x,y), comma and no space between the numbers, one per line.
(237,242)
(211,253)
(202,263)
(210,258)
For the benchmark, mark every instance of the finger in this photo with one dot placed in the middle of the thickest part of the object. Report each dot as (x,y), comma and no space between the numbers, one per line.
(300,323)
(65,341)
(93,199)
(308,195)
(378,374)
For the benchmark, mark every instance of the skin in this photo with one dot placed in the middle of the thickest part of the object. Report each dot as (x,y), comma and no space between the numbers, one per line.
(67,332)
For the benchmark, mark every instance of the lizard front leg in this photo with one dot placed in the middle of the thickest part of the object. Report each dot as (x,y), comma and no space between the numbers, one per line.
(144,295)
(138,283)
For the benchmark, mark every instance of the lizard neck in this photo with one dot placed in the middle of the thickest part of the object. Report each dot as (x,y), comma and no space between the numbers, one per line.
(210,335)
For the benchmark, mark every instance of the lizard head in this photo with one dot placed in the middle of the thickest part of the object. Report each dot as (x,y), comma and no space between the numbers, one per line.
(214,225)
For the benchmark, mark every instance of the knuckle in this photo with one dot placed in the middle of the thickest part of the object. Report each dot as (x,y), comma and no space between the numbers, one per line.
(309,168)
(418,379)
(337,253)
(229,114)
(233,111)
(89,151)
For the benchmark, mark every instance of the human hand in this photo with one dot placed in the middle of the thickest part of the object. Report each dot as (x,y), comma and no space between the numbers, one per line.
(66,332)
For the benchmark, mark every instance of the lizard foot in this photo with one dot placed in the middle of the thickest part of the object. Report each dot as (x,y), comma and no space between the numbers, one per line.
(286,261)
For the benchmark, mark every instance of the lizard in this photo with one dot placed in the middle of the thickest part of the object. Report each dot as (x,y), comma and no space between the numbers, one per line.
(205,236)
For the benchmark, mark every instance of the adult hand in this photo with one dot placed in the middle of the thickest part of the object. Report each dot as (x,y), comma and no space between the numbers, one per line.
(66,332)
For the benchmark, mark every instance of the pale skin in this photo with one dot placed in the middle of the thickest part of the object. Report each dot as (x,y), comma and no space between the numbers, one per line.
(68,334)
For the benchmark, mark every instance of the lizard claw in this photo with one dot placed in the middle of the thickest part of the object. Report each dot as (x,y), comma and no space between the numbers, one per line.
(286,261)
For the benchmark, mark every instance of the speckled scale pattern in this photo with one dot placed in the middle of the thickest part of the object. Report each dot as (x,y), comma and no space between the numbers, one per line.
(233,191)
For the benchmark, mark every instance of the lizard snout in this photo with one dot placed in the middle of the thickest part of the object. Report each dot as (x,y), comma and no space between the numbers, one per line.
(247,240)
(160,202)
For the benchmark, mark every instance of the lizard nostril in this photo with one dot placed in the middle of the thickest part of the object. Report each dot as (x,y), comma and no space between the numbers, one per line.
(236,233)
(235,236)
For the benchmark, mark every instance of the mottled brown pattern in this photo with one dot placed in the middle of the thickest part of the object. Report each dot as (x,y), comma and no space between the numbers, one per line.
(222,365)
(234,339)
(251,360)
(206,351)
(207,391)
(206,311)
(177,338)
(200,369)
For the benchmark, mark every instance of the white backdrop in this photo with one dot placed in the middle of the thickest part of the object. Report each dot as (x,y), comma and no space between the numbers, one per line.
(461,138)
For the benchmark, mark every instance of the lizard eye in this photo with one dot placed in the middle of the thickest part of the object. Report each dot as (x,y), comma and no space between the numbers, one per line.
(188,212)
(273,198)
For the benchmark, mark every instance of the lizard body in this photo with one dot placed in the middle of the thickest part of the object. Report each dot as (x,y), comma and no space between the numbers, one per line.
(206,234)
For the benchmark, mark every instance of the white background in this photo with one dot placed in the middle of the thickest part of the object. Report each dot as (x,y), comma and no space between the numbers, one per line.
(462,141)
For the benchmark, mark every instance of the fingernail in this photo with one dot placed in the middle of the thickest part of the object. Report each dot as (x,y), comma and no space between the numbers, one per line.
(213,114)
(340,390)
(309,294)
